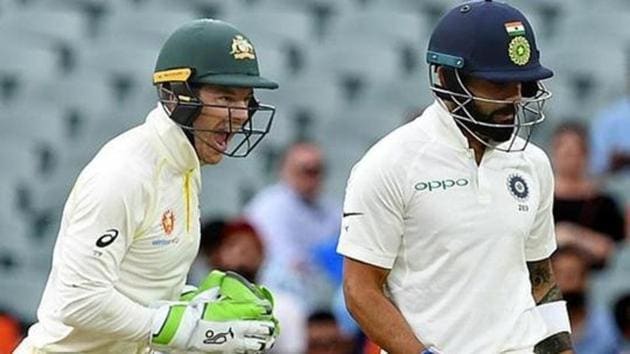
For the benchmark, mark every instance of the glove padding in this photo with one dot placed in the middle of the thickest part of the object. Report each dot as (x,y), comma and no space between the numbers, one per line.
(226,314)
(223,326)
(188,292)
(234,286)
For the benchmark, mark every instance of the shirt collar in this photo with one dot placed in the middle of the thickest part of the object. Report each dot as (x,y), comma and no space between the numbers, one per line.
(445,127)
(171,141)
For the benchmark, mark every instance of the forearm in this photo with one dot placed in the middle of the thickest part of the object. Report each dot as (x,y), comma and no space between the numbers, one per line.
(555,344)
(88,299)
(545,290)
(381,321)
(106,311)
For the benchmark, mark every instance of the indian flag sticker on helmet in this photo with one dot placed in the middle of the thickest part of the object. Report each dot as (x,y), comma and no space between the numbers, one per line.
(519,51)
(515,28)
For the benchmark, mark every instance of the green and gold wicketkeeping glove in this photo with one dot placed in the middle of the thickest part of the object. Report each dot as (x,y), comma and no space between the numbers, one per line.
(234,286)
(226,314)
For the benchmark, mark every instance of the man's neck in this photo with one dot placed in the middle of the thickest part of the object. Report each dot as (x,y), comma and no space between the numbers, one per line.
(474,144)
(479,149)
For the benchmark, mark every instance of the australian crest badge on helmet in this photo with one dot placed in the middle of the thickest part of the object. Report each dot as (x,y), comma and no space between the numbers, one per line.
(242,49)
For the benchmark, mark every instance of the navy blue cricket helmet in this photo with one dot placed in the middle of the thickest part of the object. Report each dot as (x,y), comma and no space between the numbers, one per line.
(492,41)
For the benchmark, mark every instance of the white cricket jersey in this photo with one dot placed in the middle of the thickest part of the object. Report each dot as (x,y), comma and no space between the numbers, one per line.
(129,233)
(456,235)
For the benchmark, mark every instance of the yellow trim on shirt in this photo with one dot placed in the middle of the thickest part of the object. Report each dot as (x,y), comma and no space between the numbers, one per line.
(187,197)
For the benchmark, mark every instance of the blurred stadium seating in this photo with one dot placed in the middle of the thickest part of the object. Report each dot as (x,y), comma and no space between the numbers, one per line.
(74,73)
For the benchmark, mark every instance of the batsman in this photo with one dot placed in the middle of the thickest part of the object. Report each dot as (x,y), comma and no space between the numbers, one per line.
(448,226)
(130,227)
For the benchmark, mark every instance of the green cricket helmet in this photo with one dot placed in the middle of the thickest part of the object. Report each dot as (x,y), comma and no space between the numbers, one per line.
(212,52)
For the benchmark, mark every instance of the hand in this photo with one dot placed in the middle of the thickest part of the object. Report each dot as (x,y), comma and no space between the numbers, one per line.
(224,326)
(237,287)
(229,284)
(233,286)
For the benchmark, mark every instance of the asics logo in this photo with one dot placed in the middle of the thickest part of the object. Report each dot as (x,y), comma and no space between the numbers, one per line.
(107,238)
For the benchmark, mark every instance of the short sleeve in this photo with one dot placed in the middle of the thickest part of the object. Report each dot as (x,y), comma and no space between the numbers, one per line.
(541,242)
(372,224)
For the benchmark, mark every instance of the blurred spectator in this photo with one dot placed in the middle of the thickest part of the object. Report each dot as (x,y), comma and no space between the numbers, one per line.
(236,246)
(327,258)
(210,229)
(622,317)
(325,336)
(585,217)
(371,348)
(610,134)
(10,332)
(593,329)
(294,219)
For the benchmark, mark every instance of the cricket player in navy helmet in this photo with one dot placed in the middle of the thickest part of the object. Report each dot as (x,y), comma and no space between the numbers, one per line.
(130,227)
(448,227)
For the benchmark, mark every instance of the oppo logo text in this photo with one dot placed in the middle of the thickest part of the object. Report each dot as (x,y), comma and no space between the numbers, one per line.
(443,184)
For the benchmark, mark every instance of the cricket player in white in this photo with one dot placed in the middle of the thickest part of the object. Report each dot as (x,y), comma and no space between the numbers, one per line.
(130,227)
(448,227)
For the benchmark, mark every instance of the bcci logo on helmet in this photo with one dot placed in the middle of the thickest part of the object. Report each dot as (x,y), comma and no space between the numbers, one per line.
(241,48)
(518,187)
(519,51)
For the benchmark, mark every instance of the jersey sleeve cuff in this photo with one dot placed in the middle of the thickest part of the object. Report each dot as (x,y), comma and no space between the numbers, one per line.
(362,254)
(540,253)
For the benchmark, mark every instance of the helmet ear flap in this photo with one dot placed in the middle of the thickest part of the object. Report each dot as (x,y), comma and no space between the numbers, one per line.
(252,107)
(187,104)
(451,83)
(529,89)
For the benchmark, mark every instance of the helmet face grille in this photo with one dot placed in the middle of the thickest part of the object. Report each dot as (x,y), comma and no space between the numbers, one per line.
(243,137)
(240,135)
(528,112)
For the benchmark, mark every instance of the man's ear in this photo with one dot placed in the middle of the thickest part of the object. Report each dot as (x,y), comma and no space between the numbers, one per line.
(440,75)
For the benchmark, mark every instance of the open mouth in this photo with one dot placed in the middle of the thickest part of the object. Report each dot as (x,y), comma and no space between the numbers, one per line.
(221,141)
